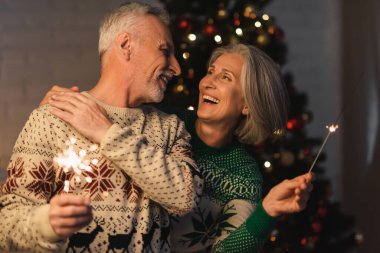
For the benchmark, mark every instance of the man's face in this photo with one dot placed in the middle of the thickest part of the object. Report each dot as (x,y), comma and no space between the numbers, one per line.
(153,60)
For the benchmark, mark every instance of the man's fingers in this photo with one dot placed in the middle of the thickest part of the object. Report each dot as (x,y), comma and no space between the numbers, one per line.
(71,222)
(75,222)
(74,211)
(69,199)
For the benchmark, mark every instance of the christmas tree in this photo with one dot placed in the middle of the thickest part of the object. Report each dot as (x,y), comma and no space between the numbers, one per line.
(198,27)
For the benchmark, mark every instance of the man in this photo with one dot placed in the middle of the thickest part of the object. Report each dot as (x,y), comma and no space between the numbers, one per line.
(130,193)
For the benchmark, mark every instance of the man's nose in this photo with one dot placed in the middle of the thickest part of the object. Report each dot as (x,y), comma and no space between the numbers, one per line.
(174,66)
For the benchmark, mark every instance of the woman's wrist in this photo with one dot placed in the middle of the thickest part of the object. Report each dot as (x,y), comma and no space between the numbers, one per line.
(269,208)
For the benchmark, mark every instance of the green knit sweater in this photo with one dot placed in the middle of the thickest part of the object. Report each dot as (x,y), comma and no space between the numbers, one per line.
(230,217)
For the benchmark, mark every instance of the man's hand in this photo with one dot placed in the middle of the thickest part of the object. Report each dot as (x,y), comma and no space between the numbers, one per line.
(85,115)
(69,213)
(289,196)
(56,90)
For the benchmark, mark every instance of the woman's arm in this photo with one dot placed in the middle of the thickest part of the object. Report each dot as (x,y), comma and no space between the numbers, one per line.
(250,230)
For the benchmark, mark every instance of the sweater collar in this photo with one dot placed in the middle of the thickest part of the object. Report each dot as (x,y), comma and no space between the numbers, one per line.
(202,148)
(125,111)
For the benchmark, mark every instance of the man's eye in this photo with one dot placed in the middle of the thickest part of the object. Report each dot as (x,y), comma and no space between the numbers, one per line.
(165,51)
(209,72)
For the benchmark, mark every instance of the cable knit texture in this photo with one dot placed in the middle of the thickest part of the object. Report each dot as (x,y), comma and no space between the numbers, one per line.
(143,160)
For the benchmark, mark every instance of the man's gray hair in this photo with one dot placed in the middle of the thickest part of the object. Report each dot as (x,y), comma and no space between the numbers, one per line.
(264,93)
(126,18)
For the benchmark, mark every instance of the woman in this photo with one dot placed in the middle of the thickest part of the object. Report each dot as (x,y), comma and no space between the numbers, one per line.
(242,100)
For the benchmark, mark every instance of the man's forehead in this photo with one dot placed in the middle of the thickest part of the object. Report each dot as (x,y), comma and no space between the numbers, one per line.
(156,29)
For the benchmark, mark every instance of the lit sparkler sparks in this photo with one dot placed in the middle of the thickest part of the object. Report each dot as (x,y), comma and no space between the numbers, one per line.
(70,159)
(332,128)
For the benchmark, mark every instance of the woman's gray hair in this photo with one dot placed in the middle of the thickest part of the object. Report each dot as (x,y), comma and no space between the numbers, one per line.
(126,18)
(264,93)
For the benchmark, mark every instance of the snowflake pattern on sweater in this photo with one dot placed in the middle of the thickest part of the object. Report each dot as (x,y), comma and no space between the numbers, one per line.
(144,159)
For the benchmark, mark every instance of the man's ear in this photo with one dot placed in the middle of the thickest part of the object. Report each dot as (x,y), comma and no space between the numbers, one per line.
(245,110)
(123,43)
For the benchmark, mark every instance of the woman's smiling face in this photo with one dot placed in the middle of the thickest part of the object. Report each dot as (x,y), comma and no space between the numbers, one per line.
(220,91)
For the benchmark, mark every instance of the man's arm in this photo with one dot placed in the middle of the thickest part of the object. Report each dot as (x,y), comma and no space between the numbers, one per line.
(29,221)
(167,177)
(27,190)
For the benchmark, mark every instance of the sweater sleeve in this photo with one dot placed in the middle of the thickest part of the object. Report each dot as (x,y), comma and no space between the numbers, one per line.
(169,176)
(249,234)
(26,192)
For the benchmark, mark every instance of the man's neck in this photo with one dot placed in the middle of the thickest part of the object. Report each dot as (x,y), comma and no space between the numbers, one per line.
(113,91)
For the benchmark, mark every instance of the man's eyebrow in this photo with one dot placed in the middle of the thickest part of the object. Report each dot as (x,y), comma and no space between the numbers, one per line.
(166,45)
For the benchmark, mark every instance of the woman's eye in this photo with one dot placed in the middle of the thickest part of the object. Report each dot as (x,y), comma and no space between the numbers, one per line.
(226,77)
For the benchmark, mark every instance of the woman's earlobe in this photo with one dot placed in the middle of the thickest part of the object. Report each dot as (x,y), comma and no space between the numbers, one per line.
(245,111)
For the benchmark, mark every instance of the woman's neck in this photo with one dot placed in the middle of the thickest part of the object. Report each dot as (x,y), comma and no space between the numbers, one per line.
(214,135)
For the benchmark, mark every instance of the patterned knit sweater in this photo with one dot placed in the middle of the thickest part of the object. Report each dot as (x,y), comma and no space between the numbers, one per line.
(230,217)
(143,160)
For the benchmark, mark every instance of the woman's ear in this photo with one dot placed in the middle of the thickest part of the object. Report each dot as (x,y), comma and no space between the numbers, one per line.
(245,110)
(123,43)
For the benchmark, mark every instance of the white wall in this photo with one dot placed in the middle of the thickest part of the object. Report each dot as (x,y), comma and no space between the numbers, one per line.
(43,42)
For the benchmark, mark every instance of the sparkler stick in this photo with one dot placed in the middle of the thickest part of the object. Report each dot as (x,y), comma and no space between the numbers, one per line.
(332,129)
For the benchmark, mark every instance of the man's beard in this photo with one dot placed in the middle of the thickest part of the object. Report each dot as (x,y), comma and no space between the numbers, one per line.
(155,94)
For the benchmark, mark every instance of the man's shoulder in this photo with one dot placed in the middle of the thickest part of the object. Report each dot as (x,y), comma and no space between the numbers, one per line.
(42,111)
(154,113)
(42,116)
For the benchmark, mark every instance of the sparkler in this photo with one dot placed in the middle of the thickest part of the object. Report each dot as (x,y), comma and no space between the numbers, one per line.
(70,159)
(332,128)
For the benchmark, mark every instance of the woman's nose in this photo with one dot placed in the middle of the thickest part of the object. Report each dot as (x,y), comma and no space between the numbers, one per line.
(208,82)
